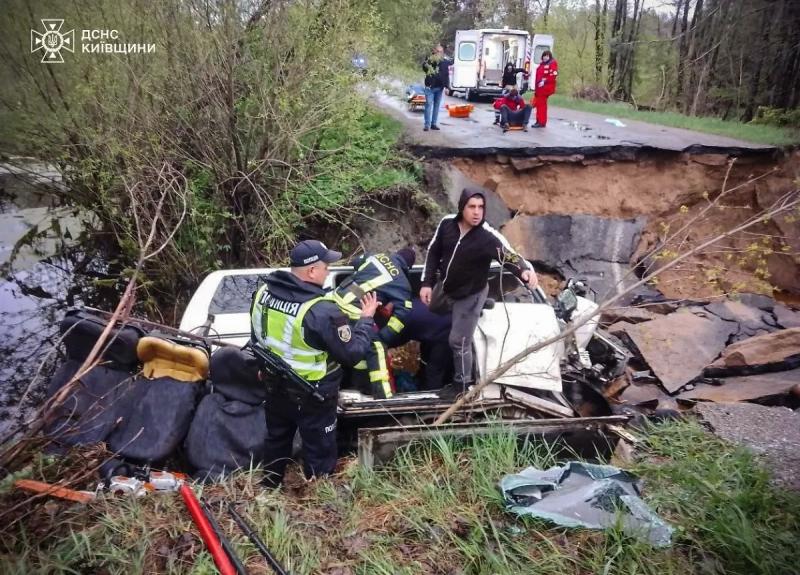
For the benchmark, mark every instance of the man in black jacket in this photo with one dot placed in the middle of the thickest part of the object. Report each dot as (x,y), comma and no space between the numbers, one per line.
(461,251)
(437,77)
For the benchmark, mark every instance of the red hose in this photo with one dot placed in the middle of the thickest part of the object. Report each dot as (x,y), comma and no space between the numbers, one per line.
(206,532)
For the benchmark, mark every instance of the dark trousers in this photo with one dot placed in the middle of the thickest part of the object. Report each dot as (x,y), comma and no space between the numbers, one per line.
(437,361)
(317,425)
(466,313)
(517,118)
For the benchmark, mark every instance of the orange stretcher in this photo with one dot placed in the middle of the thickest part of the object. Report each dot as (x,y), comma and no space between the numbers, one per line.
(459,110)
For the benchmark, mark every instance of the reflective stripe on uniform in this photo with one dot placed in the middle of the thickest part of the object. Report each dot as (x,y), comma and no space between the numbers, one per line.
(381,375)
(283,333)
(350,310)
(395,324)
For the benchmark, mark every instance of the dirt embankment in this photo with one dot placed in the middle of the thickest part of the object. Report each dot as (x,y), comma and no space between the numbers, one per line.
(705,194)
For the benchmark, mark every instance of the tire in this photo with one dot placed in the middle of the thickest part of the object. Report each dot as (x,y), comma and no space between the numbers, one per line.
(469,96)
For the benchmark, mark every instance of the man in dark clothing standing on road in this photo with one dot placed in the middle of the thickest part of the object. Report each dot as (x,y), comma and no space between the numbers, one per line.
(292,316)
(437,77)
(461,251)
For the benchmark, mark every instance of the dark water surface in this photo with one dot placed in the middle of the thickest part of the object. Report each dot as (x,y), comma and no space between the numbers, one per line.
(48,264)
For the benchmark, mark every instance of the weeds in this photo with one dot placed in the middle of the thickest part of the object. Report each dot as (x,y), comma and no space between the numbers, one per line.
(436,509)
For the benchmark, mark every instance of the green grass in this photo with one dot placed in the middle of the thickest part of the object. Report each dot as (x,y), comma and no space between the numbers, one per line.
(757,133)
(436,509)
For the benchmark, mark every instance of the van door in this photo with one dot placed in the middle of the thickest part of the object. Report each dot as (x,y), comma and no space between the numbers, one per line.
(541,42)
(465,61)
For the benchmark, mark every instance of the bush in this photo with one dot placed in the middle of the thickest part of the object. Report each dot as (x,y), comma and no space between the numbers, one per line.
(777,117)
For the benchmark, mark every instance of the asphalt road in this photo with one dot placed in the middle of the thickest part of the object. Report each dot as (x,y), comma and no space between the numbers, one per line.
(567,131)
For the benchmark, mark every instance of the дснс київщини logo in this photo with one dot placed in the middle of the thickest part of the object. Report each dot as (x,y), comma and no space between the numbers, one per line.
(52,41)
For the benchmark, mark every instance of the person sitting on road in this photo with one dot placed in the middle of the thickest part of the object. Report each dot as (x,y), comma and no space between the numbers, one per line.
(513,109)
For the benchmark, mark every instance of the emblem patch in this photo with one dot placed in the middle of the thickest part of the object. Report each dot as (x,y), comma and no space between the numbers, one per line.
(344,333)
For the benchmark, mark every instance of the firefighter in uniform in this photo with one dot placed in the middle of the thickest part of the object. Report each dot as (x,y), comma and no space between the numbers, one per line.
(387,276)
(546,74)
(292,316)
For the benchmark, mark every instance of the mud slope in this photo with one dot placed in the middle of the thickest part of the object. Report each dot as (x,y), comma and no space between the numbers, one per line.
(670,190)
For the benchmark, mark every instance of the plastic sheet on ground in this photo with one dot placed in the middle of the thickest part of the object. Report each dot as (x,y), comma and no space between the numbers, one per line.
(584,495)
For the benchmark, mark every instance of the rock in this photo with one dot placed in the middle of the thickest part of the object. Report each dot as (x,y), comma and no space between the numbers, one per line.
(784,272)
(502,159)
(639,394)
(618,326)
(627,314)
(757,300)
(786,317)
(709,159)
(572,158)
(776,351)
(678,346)
(688,387)
(525,164)
(492,182)
(623,155)
(596,161)
(751,320)
(745,388)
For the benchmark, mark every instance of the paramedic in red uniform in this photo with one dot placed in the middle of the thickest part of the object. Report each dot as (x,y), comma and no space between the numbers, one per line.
(546,74)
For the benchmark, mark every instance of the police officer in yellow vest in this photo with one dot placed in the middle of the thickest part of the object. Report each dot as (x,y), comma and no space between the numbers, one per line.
(386,275)
(292,316)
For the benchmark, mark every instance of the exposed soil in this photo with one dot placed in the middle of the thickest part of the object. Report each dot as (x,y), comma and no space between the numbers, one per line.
(670,190)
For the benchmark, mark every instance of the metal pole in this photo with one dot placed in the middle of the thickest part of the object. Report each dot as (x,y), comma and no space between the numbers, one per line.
(277,567)
(226,544)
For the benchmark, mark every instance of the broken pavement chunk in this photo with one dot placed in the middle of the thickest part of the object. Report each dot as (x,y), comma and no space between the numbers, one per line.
(677,347)
(776,351)
(631,314)
(786,317)
(752,321)
(733,389)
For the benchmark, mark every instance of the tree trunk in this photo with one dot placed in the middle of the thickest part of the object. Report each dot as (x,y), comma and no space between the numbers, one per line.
(682,45)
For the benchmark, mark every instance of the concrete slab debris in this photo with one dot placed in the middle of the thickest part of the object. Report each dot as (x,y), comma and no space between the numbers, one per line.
(677,347)
(776,351)
(745,388)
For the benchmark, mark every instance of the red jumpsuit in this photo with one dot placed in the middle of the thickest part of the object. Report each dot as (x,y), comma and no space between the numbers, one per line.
(547,72)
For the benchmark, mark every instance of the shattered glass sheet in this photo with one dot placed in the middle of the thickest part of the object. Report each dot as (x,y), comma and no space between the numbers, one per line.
(584,495)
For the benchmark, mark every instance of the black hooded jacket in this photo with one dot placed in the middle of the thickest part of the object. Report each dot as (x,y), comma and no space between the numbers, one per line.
(462,263)
(321,327)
